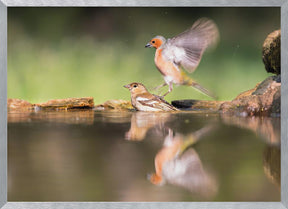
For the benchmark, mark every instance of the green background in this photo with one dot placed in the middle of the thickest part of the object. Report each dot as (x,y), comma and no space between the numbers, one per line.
(77,52)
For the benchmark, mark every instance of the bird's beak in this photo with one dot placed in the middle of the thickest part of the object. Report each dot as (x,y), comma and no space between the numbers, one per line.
(126,86)
(148,45)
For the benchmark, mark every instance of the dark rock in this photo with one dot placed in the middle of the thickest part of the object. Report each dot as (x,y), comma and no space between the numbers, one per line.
(271,52)
(262,87)
(197,104)
(263,100)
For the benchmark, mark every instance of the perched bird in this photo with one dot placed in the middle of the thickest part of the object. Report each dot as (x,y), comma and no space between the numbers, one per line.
(144,101)
(184,51)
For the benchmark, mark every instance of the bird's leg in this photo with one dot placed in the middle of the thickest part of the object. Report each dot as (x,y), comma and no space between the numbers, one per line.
(158,87)
(169,138)
(169,90)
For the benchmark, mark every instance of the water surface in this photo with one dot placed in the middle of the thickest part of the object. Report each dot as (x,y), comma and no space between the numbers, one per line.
(135,156)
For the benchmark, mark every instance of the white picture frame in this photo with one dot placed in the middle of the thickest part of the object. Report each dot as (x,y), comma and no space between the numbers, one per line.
(4,4)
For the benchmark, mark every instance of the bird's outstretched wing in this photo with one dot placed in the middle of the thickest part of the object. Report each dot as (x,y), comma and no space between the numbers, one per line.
(187,171)
(156,102)
(187,48)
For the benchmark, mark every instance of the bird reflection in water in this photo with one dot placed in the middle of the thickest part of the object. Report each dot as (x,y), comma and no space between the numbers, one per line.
(142,122)
(177,163)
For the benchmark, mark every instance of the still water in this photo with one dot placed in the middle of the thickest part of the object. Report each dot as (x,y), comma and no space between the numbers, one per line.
(136,156)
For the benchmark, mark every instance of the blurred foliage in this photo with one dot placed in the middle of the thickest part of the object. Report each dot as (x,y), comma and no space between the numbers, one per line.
(77,52)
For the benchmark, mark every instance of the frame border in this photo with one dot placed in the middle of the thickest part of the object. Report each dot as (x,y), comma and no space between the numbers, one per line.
(3,104)
(283,4)
(148,3)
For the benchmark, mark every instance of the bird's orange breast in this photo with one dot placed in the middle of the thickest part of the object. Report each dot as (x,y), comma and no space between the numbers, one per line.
(159,61)
(167,68)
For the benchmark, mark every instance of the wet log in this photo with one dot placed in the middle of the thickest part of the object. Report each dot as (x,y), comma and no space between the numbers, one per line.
(114,105)
(69,103)
(19,104)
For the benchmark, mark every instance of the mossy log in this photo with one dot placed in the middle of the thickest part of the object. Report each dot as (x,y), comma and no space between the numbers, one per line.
(19,104)
(69,103)
(114,105)
(55,104)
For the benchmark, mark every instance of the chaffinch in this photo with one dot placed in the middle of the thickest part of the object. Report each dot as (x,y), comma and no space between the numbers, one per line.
(184,51)
(142,122)
(142,100)
(177,163)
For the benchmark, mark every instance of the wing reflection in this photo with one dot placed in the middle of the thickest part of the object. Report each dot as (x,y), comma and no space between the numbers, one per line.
(179,164)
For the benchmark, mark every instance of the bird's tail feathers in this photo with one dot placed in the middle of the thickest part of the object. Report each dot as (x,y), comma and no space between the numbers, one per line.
(202,89)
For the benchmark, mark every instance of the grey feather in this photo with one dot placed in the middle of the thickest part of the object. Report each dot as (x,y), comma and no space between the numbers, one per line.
(187,48)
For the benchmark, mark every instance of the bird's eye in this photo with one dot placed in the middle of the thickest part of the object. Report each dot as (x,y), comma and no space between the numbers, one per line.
(153,42)
(134,86)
